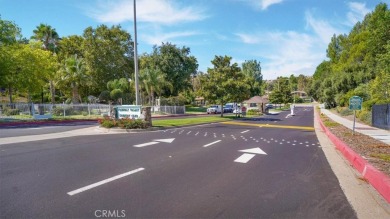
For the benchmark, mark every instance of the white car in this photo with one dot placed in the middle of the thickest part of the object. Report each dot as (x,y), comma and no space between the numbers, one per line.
(214,109)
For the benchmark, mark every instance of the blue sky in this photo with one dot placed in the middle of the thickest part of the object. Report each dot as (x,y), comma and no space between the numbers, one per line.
(286,36)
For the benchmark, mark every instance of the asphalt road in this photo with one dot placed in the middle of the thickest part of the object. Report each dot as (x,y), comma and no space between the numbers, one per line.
(223,170)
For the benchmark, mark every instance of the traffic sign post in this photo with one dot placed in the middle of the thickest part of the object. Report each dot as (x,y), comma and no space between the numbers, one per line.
(355,103)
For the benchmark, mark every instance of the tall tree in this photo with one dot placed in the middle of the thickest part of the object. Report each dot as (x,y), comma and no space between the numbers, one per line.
(108,54)
(252,70)
(176,64)
(10,33)
(225,82)
(47,35)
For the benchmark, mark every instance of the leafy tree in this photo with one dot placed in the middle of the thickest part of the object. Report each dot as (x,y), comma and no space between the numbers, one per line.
(71,45)
(108,54)
(175,63)
(224,82)
(380,87)
(282,91)
(9,32)
(252,70)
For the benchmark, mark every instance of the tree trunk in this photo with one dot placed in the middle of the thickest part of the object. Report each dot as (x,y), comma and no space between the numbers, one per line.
(10,94)
(52,92)
(152,96)
(75,94)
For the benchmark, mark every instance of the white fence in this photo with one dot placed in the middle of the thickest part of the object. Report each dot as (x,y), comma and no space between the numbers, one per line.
(27,111)
(169,109)
(39,111)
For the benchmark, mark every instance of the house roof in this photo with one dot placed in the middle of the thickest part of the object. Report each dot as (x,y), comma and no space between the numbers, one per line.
(257,99)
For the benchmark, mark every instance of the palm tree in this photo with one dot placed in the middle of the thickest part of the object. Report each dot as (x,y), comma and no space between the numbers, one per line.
(154,81)
(49,38)
(47,35)
(74,74)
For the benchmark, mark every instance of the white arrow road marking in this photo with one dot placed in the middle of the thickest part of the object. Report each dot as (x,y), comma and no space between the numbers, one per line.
(254,151)
(248,155)
(211,143)
(244,158)
(156,141)
(74,192)
(168,140)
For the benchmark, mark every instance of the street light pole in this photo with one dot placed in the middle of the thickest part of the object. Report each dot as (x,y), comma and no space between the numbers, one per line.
(137,102)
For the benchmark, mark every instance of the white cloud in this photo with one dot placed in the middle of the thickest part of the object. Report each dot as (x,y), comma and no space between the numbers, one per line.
(248,38)
(357,12)
(322,28)
(261,4)
(266,3)
(292,52)
(165,12)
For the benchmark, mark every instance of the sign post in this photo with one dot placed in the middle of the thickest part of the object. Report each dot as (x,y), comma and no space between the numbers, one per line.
(355,103)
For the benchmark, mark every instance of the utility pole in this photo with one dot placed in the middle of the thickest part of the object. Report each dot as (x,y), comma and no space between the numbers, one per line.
(137,101)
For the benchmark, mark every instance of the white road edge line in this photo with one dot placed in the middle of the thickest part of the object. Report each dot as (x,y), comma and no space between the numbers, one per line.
(211,143)
(74,192)
(244,158)
(244,131)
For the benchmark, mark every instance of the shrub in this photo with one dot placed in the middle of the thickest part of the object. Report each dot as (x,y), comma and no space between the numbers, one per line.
(59,111)
(127,123)
(364,116)
(253,112)
(11,112)
(345,111)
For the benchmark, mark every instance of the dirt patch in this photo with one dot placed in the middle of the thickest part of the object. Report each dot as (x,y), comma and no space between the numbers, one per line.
(374,151)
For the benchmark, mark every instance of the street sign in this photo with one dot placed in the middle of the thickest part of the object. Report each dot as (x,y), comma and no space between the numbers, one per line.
(355,103)
(128,111)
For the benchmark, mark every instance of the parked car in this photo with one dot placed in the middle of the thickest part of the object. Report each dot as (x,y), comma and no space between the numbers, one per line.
(269,106)
(214,109)
(228,108)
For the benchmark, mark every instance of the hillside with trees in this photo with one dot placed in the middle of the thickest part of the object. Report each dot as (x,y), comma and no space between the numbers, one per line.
(358,64)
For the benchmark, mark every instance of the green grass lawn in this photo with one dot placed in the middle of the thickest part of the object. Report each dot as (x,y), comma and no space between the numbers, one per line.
(193,121)
(195,110)
(188,121)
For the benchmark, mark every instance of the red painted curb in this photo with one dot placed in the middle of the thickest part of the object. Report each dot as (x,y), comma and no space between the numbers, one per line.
(376,178)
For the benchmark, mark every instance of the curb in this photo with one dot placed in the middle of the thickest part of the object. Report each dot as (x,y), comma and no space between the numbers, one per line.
(376,178)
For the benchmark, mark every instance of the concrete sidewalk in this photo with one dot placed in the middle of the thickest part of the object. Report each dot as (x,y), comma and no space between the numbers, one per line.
(376,133)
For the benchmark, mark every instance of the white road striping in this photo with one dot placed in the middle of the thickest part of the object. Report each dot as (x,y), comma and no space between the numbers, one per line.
(211,143)
(245,131)
(74,192)
(244,158)
(145,144)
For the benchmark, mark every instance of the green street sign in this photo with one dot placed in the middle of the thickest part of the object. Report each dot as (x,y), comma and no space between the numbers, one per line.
(355,103)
